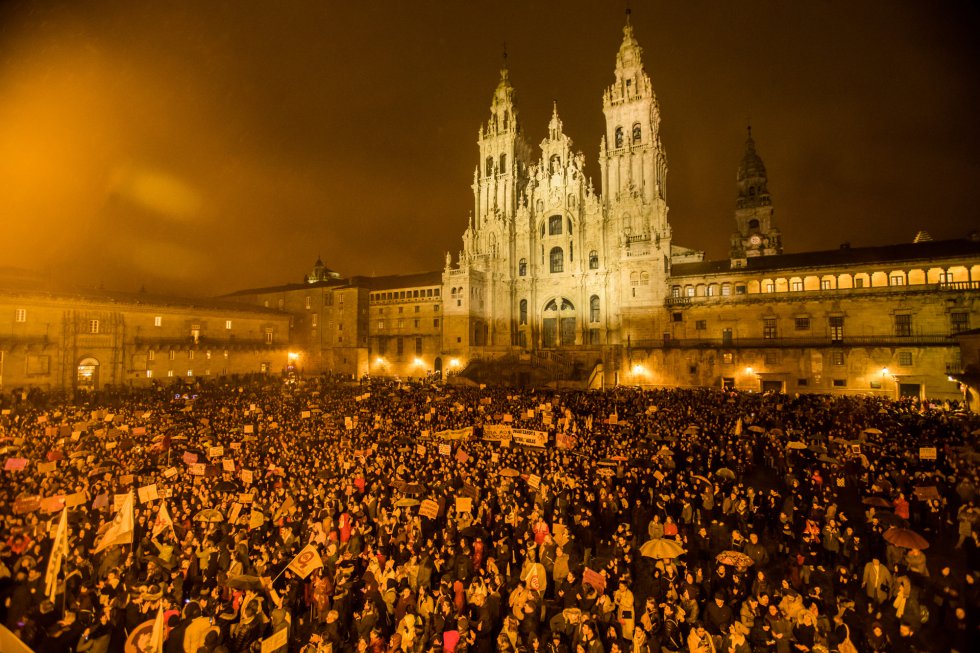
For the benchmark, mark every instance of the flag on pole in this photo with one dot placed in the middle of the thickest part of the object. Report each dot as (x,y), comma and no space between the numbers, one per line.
(163,520)
(738,426)
(305,562)
(284,508)
(158,635)
(121,529)
(58,554)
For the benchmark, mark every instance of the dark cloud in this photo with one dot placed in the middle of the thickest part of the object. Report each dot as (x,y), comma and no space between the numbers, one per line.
(205,147)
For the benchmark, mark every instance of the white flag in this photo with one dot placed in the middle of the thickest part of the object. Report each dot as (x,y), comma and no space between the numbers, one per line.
(306,561)
(58,553)
(163,520)
(121,529)
(158,635)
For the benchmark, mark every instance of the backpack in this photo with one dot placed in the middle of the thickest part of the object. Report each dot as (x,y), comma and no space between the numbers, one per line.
(847,646)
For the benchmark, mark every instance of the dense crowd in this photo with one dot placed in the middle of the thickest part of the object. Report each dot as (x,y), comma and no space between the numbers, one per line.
(320,515)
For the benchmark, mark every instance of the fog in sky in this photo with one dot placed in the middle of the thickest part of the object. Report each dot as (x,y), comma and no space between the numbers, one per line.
(204,147)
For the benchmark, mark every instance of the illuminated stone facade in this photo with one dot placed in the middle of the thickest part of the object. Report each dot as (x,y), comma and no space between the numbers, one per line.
(72,341)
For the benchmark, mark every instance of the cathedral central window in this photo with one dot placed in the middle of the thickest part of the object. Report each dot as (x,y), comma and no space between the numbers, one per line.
(557,260)
(554,225)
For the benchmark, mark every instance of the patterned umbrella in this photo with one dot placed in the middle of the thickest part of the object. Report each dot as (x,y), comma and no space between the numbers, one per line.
(734,559)
(905,538)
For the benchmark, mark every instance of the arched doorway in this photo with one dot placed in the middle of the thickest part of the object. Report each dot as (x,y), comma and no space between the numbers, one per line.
(437,366)
(558,323)
(87,375)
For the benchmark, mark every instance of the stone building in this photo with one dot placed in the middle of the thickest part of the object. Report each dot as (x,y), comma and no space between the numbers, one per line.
(69,340)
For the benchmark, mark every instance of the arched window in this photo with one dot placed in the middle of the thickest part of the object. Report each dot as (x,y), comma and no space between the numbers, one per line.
(522,267)
(593,260)
(557,260)
(506,122)
(523,312)
(637,133)
(569,226)
(594,308)
(619,137)
(503,163)
(453,292)
(489,166)
(571,251)
(554,225)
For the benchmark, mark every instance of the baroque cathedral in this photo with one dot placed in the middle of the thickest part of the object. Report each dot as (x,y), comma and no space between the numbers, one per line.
(548,260)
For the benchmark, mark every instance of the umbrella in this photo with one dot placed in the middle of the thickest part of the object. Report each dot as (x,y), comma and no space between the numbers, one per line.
(509,472)
(724,472)
(665,451)
(796,444)
(210,516)
(905,538)
(406,503)
(243,582)
(619,458)
(817,448)
(734,559)
(607,462)
(824,458)
(661,549)
(413,488)
(474,530)
(876,501)
(225,486)
(776,430)
(757,429)
(872,431)
(701,478)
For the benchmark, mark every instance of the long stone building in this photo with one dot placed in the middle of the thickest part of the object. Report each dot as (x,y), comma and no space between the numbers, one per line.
(71,340)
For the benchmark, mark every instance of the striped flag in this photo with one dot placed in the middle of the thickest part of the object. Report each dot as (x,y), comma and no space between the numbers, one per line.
(121,529)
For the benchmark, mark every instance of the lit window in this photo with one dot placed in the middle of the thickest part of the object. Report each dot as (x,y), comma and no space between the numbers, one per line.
(93,326)
(207,355)
(836,328)
(314,320)
(149,374)
(226,354)
(381,325)
(20,315)
(825,284)
(797,286)
(170,373)
(309,302)
(268,336)
(158,321)
(190,372)
(675,291)
(770,286)
(726,290)
(151,355)
(190,354)
(897,280)
(837,358)
(172,354)
(227,324)
(727,358)
(689,291)
(594,309)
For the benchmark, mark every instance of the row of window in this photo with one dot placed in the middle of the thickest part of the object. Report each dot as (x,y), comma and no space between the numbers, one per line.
(400,324)
(565,306)
(837,358)
(960,321)
(419,293)
(418,309)
(399,346)
(95,326)
(796,284)
(620,135)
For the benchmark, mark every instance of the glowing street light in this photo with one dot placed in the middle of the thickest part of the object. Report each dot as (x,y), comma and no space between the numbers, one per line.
(292,356)
(454,362)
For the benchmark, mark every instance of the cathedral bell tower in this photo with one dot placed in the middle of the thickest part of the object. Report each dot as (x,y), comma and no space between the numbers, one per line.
(756,233)
(504,154)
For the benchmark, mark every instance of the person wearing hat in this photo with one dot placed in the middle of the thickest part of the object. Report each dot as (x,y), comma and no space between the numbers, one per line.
(718,617)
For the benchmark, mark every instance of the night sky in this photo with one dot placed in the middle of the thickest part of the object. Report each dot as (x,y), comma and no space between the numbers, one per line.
(204,147)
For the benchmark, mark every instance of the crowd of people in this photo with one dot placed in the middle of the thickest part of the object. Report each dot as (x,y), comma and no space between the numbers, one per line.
(314,514)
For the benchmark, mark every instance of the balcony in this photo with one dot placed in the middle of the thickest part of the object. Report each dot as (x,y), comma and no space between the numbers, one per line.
(915,340)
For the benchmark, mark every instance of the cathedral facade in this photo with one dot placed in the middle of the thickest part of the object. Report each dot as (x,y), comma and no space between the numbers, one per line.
(548,260)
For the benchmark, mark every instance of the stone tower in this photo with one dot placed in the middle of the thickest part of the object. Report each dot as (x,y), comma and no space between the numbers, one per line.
(756,233)
(634,171)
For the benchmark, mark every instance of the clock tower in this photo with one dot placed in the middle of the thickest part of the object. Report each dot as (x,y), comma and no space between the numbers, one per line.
(756,233)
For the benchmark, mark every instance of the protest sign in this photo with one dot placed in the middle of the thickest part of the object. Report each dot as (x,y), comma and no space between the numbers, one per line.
(429,508)
(464,504)
(148,493)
